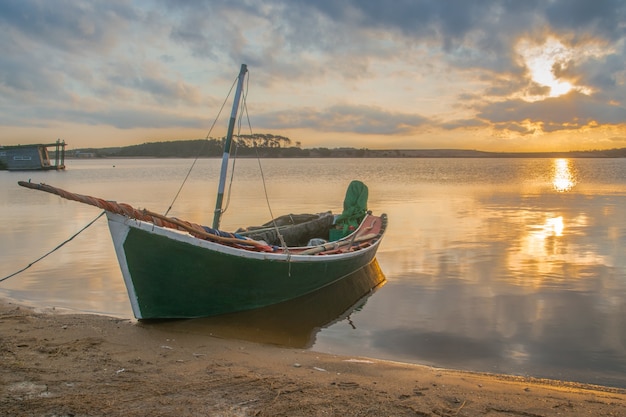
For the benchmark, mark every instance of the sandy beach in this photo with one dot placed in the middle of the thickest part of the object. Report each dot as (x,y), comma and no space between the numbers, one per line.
(57,364)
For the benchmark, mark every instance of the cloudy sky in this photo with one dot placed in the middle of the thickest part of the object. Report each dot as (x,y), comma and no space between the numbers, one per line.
(512,75)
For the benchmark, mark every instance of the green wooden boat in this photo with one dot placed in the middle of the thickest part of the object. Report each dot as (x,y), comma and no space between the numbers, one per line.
(176,269)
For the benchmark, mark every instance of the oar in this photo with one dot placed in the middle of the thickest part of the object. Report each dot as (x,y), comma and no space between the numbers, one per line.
(336,245)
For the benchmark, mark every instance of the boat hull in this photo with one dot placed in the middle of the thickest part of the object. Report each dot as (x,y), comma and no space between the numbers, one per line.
(294,323)
(171,274)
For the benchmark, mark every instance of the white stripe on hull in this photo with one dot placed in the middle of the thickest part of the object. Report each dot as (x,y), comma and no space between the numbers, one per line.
(119,231)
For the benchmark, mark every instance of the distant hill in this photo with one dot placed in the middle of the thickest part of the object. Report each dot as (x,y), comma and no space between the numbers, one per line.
(271,146)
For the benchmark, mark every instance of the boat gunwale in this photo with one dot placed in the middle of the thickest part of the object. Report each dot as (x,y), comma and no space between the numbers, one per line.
(290,255)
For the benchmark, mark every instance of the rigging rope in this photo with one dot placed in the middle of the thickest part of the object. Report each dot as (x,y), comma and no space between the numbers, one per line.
(201,148)
(53,250)
(267,199)
(244,109)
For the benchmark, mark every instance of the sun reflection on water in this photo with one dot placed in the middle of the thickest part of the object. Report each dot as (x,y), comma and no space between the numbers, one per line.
(540,244)
(553,226)
(564,179)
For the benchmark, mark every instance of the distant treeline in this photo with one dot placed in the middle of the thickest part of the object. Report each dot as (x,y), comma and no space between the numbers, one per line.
(266,145)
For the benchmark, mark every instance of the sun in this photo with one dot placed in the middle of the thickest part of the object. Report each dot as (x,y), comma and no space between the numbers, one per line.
(541,61)
(542,73)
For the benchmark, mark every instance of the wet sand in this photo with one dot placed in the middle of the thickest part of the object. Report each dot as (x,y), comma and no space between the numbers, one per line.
(54,364)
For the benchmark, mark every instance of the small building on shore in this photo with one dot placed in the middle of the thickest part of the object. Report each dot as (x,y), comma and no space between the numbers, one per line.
(33,157)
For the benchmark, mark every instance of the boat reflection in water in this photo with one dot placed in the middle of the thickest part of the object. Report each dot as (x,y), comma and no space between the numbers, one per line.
(294,323)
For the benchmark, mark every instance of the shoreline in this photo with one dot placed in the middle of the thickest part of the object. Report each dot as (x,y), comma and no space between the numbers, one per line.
(68,364)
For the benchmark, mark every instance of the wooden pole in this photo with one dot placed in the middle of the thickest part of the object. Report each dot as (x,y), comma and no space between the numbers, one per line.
(226,155)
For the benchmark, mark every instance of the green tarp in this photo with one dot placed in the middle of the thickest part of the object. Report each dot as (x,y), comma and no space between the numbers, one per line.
(354,207)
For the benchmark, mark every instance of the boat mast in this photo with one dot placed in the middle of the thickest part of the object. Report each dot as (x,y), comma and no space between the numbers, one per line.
(227,144)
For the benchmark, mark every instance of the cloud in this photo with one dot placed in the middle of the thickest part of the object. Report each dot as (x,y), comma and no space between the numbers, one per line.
(345,118)
(568,112)
(360,67)
(462,124)
(601,18)
(66,25)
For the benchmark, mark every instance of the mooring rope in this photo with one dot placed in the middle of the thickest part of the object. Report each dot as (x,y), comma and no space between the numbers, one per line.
(53,250)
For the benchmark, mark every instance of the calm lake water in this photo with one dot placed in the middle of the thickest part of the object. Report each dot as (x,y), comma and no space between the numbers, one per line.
(513,266)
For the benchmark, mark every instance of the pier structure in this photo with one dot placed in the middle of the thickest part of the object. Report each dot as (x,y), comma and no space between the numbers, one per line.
(33,157)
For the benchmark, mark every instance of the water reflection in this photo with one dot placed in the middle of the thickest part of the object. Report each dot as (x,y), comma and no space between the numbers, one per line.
(542,241)
(293,323)
(564,179)
(489,266)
